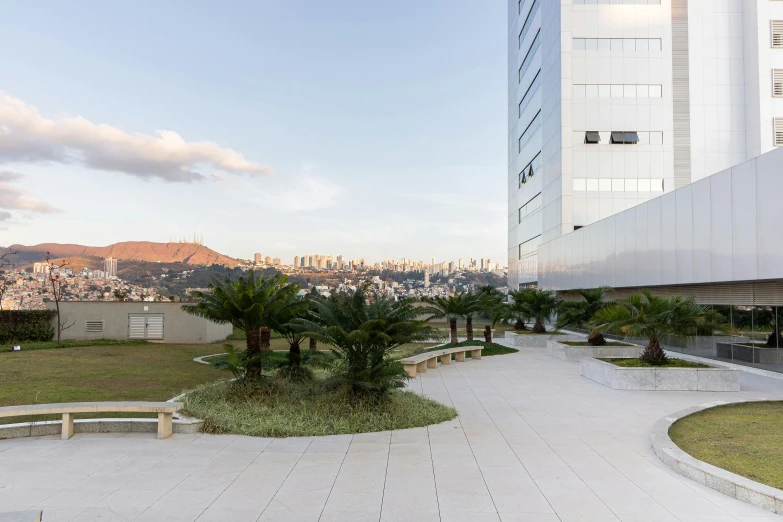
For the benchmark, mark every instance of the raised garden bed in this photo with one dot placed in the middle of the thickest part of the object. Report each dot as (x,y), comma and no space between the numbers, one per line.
(653,378)
(529,339)
(577,350)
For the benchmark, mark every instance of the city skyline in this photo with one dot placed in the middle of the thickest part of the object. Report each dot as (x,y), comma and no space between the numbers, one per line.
(364,145)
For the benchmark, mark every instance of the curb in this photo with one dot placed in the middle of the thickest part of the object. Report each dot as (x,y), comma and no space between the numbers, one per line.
(726,482)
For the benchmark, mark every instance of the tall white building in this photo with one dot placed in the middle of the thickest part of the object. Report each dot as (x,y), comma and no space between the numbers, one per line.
(110,267)
(615,102)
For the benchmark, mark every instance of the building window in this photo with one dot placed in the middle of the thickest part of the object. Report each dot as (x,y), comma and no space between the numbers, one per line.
(616,91)
(617,44)
(530,207)
(618,185)
(529,248)
(534,124)
(592,137)
(777,83)
(778,132)
(534,85)
(624,137)
(528,22)
(529,56)
(777,33)
(530,169)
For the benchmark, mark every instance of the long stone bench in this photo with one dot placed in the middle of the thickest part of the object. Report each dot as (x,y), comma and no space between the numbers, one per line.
(165,411)
(420,363)
(22,516)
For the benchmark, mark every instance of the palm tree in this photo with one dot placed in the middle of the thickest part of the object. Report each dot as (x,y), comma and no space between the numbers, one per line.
(364,328)
(248,303)
(540,304)
(513,310)
(577,314)
(293,333)
(461,304)
(655,318)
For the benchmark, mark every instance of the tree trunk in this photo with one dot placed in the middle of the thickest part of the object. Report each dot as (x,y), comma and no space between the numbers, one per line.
(313,344)
(488,334)
(596,339)
(539,327)
(253,350)
(520,324)
(264,343)
(453,329)
(653,353)
(59,323)
(294,354)
(469,327)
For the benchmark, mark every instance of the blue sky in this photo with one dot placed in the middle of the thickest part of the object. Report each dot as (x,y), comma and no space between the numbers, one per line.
(359,128)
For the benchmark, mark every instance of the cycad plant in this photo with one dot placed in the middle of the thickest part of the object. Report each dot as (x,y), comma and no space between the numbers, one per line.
(514,310)
(453,307)
(249,303)
(656,318)
(578,314)
(363,329)
(539,304)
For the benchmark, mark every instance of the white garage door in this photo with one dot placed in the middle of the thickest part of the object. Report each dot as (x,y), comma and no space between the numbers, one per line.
(145,326)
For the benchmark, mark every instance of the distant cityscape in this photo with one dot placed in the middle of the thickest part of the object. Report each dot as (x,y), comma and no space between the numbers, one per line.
(327,262)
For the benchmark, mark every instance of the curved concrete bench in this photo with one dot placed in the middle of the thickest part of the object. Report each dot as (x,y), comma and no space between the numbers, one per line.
(165,411)
(420,363)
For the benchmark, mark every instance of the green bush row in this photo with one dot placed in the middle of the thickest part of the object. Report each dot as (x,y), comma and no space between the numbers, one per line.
(26,325)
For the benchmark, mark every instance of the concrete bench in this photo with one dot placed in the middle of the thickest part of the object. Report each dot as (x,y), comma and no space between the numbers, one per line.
(22,516)
(420,363)
(165,411)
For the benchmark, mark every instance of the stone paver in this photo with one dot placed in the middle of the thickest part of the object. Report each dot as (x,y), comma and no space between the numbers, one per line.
(534,442)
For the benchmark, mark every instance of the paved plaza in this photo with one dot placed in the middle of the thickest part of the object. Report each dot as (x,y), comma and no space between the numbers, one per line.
(534,442)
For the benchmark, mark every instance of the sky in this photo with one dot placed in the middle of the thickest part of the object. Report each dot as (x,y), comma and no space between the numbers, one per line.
(285,127)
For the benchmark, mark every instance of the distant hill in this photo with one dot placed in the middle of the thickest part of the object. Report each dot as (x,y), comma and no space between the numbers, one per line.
(186,253)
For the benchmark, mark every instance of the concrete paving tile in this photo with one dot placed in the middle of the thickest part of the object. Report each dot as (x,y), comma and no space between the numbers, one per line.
(169,514)
(349,516)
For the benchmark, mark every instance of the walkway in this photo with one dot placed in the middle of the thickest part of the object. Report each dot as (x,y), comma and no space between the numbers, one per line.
(534,442)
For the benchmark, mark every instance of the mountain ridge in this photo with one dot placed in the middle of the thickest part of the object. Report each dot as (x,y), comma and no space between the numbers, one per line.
(186,253)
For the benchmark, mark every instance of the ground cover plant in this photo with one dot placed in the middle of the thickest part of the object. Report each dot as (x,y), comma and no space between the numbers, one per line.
(280,408)
(50,345)
(741,438)
(670,363)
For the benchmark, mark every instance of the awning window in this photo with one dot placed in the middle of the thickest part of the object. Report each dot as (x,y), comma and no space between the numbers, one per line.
(618,137)
(631,137)
(592,137)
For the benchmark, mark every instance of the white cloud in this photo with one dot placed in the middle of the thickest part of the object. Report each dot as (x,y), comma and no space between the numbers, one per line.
(14,198)
(26,136)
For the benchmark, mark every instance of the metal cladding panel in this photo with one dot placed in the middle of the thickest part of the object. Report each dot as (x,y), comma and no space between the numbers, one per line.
(683,234)
(721,238)
(769,187)
(701,231)
(743,221)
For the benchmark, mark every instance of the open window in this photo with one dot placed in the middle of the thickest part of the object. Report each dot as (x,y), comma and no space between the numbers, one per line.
(631,137)
(592,137)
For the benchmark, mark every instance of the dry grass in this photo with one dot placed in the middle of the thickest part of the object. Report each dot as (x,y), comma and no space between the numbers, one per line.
(742,438)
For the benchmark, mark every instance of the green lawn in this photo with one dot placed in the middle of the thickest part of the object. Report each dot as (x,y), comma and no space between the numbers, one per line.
(146,372)
(741,438)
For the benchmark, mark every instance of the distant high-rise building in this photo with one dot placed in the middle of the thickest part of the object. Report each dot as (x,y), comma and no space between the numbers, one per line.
(461,263)
(257,258)
(276,261)
(40,268)
(426,279)
(296,261)
(110,267)
(268,260)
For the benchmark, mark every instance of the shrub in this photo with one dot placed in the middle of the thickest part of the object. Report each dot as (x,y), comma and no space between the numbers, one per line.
(26,325)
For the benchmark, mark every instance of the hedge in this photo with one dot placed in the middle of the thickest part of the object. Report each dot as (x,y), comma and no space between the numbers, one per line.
(26,325)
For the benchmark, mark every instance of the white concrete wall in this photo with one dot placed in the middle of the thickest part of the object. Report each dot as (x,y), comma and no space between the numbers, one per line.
(723,228)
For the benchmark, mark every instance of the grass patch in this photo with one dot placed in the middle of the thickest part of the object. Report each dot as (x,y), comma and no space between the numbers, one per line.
(741,438)
(670,363)
(490,349)
(49,345)
(145,372)
(585,343)
(277,408)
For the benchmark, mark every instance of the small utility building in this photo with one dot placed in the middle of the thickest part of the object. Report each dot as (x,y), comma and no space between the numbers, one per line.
(165,322)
